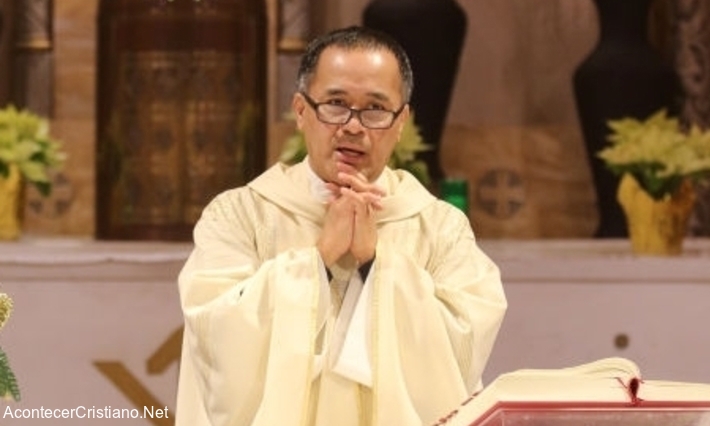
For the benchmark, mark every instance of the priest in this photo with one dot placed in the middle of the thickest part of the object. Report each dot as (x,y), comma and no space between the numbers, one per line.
(336,291)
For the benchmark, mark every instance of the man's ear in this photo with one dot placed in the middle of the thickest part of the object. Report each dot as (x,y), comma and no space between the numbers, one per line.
(298,106)
(402,119)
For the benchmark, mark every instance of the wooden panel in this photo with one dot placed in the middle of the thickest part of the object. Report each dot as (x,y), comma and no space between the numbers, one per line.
(524,181)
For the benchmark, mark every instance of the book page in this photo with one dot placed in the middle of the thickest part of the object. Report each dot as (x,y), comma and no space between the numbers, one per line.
(669,391)
(606,367)
(605,382)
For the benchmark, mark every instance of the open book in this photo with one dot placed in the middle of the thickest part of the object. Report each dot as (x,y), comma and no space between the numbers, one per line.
(609,383)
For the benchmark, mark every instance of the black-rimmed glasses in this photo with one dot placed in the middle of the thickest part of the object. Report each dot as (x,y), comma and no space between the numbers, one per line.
(340,114)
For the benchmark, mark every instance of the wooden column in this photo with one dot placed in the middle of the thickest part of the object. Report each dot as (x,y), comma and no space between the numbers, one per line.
(693,65)
(5,50)
(33,76)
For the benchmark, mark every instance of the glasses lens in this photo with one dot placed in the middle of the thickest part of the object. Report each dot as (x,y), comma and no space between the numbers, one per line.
(333,114)
(376,118)
(339,114)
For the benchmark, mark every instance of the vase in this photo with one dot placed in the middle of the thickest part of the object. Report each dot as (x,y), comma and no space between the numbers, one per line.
(181,111)
(623,76)
(432,33)
(656,227)
(11,205)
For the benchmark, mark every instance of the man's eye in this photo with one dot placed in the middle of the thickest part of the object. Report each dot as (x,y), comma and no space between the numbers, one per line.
(376,107)
(337,102)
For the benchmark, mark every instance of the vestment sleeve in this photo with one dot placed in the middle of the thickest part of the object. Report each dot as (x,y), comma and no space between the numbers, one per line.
(472,302)
(250,325)
(436,322)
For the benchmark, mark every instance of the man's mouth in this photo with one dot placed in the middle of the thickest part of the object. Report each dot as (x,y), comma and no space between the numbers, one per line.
(349,155)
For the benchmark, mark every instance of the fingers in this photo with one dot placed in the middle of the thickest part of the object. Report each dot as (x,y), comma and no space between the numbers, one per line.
(370,193)
(352,177)
(367,199)
(359,184)
(336,238)
(349,178)
(349,224)
(364,237)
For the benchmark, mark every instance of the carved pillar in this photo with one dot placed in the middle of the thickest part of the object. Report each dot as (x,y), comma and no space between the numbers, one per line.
(693,66)
(5,56)
(180,112)
(294,25)
(32,84)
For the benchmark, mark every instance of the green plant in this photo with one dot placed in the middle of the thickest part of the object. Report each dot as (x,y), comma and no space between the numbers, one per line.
(403,157)
(657,152)
(8,383)
(25,142)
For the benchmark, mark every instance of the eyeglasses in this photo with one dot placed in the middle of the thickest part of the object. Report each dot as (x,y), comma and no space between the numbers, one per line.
(340,114)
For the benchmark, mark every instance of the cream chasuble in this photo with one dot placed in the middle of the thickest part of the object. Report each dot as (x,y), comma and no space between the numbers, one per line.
(269,340)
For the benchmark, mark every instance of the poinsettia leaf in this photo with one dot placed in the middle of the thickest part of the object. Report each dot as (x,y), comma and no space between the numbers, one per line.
(25,141)
(44,188)
(33,171)
(8,382)
(657,152)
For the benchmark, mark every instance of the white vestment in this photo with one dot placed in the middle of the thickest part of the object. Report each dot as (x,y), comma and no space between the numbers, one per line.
(269,340)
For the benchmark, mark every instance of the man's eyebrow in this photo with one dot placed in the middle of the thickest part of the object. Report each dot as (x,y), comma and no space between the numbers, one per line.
(335,92)
(379,96)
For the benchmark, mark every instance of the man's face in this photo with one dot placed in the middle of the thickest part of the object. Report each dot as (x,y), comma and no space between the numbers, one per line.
(359,79)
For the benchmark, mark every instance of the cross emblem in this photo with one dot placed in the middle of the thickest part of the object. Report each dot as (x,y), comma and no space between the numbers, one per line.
(501,193)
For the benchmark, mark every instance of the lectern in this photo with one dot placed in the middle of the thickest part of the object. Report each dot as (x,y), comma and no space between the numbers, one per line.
(520,414)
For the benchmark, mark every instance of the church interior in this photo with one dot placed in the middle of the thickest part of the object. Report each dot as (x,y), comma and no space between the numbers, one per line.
(123,87)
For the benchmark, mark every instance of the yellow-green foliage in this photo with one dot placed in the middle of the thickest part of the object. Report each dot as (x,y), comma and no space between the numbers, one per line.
(26,143)
(657,152)
(8,383)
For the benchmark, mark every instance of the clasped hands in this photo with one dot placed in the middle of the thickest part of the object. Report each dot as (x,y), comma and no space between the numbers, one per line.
(349,225)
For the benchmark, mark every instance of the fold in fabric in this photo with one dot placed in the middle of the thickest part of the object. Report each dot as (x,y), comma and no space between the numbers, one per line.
(353,354)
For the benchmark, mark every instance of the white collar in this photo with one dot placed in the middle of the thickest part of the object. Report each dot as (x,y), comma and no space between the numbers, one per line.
(318,189)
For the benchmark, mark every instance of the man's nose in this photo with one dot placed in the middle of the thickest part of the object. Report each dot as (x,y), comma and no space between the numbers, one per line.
(354,125)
